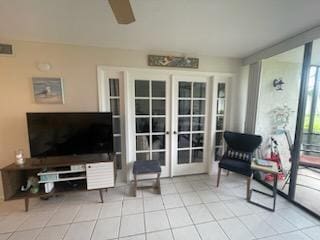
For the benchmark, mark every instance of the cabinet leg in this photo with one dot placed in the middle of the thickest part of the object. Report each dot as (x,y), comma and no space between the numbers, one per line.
(101,195)
(26,204)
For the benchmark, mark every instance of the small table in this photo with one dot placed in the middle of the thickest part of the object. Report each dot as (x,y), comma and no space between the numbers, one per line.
(273,169)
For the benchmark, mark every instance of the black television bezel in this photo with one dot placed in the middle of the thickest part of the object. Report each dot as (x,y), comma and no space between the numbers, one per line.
(49,156)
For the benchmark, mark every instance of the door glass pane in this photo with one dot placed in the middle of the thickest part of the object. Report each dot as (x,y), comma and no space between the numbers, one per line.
(199,90)
(117,144)
(221,90)
(220,106)
(142,125)
(184,89)
(118,161)
(142,143)
(197,155)
(158,124)
(197,123)
(142,156)
(115,106)
(160,156)
(158,89)
(219,123)
(158,107)
(142,88)
(184,124)
(218,153)
(277,110)
(184,107)
(114,87)
(199,107)
(219,138)
(183,156)
(116,125)
(158,142)
(142,107)
(197,139)
(183,140)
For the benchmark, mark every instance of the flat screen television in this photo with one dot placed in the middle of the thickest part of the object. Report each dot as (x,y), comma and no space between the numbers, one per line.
(58,134)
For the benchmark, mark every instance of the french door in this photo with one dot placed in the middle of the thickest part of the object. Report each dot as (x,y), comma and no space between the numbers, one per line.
(170,119)
(189,124)
(151,96)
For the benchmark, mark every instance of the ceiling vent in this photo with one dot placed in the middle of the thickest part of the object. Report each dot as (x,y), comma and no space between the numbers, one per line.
(6,49)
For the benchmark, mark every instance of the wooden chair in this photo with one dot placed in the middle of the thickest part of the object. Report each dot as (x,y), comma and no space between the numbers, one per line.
(237,158)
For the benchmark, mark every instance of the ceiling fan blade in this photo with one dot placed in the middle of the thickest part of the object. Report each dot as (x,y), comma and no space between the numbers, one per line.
(122,11)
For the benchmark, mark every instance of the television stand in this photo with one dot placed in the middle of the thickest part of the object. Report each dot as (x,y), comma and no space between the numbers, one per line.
(90,172)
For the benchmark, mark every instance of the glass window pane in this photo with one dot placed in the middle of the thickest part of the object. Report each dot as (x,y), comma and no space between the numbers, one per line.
(184,89)
(118,161)
(197,155)
(221,90)
(199,107)
(218,153)
(199,90)
(142,125)
(158,107)
(116,125)
(142,88)
(142,107)
(142,156)
(184,107)
(115,106)
(183,140)
(198,124)
(117,144)
(183,156)
(158,142)
(160,156)
(114,87)
(183,124)
(219,139)
(158,124)
(158,89)
(220,106)
(197,140)
(142,143)
(219,124)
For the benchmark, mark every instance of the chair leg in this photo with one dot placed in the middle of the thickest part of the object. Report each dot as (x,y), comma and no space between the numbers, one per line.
(135,186)
(158,183)
(218,179)
(248,188)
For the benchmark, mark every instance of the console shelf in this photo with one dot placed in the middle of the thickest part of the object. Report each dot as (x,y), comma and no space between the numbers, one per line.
(14,176)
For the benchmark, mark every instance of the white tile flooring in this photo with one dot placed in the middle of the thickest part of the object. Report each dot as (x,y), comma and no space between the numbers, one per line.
(189,208)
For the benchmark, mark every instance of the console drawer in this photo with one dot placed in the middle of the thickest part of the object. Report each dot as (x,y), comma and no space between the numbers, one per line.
(100,175)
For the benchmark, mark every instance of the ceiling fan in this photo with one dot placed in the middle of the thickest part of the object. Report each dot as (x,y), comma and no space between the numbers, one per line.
(122,11)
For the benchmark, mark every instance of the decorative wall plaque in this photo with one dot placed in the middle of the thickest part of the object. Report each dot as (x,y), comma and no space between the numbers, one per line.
(171,61)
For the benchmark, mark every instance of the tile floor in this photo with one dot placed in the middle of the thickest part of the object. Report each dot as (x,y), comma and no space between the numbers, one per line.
(189,208)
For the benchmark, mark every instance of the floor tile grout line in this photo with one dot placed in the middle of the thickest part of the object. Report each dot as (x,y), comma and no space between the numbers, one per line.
(96,221)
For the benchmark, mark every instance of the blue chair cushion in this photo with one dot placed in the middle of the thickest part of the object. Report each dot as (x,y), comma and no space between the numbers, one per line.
(233,165)
(146,166)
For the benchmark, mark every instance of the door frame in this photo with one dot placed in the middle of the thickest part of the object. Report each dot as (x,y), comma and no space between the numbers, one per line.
(103,73)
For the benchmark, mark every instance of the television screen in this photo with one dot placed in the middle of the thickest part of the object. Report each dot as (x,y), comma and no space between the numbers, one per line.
(58,134)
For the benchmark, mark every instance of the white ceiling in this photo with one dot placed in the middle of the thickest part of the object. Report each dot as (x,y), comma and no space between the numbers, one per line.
(232,28)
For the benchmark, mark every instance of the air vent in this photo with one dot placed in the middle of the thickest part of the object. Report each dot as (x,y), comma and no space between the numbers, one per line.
(6,49)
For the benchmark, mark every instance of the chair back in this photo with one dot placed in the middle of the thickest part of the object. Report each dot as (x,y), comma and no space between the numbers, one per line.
(242,142)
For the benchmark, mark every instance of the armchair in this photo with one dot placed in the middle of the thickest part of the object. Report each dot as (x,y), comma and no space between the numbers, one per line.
(237,158)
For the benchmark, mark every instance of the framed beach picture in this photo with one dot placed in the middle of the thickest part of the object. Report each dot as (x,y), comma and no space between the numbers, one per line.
(48,90)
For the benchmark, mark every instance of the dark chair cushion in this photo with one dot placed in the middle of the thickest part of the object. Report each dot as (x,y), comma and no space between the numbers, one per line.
(146,166)
(233,165)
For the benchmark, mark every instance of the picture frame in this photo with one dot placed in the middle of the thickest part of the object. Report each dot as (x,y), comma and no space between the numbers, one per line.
(48,90)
